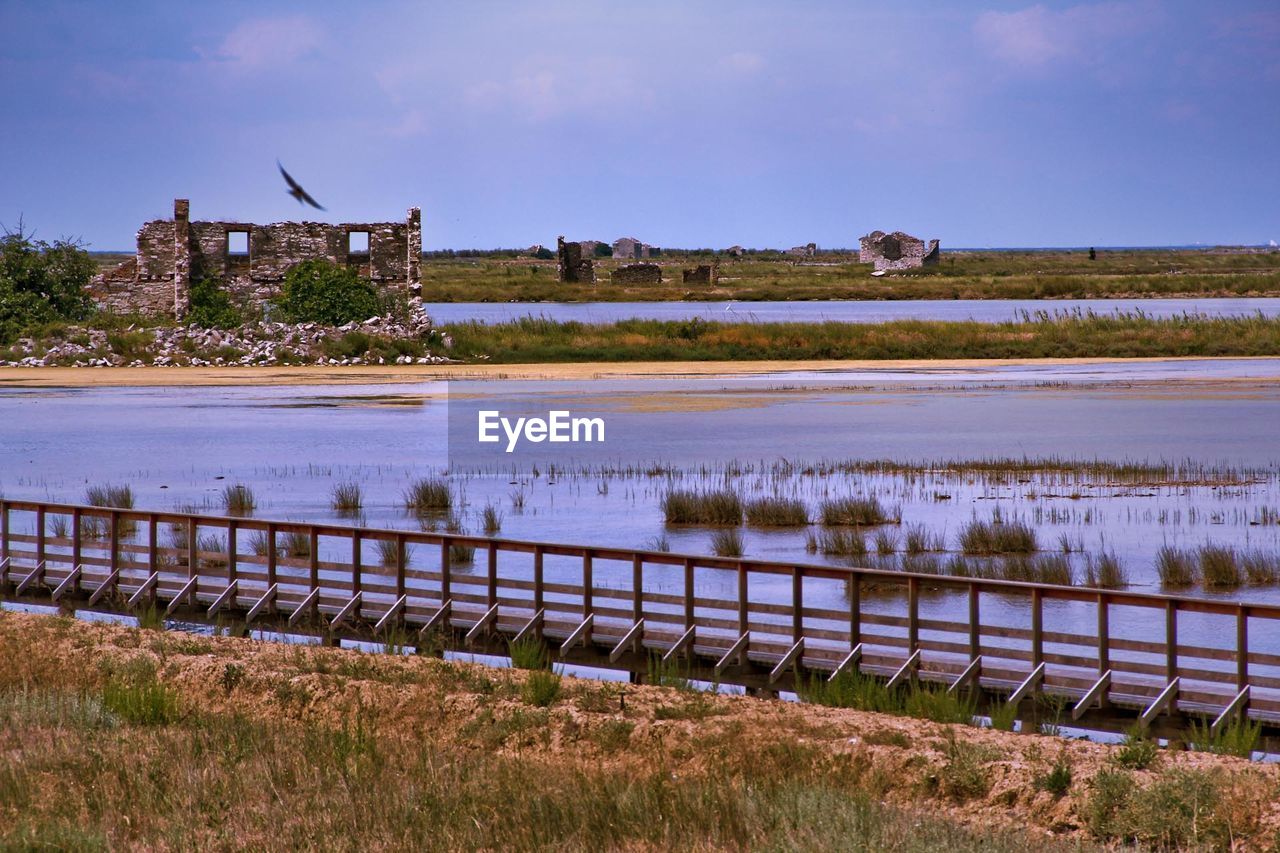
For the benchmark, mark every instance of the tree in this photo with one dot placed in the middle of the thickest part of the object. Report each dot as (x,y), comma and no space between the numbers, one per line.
(41,282)
(320,291)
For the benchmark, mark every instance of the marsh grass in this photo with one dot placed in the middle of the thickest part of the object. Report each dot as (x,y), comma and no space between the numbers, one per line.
(1175,567)
(1240,737)
(238,499)
(838,543)
(460,553)
(108,497)
(1219,567)
(529,654)
(1260,567)
(1105,571)
(434,494)
(711,507)
(997,537)
(855,512)
(491,520)
(1137,751)
(346,498)
(389,552)
(727,542)
(776,512)
(886,542)
(139,699)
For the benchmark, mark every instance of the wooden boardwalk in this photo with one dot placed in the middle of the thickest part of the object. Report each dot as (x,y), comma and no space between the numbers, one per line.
(737,621)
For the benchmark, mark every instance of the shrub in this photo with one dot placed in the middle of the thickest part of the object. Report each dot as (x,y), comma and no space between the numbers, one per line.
(1137,752)
(319,291)
(776,512)
(541,688)
(211,306)
(718,507)
(963,775)
(41,282)
(1057,780)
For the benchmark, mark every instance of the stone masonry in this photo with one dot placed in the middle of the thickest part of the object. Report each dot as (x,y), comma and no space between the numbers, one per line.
(173,253)
(701,274)
(572,266)
(638,274)
(897,251)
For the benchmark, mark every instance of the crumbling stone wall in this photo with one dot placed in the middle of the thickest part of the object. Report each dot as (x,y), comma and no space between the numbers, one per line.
(638,274)
(808,250)
(701,274)
(897,251)
(629,248)
(573,268)
(173,253)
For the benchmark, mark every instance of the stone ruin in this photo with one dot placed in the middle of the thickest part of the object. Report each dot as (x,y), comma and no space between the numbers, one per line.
(629,248)
(701,274)
(897,251)
(250,261)
(806,251)
(638,274)
(572,267)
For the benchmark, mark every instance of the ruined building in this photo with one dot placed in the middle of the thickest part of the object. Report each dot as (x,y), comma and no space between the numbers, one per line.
(629,248)
(897,251)
(808,250)
(572,266)
(638,274)
(701,274)
(250,261)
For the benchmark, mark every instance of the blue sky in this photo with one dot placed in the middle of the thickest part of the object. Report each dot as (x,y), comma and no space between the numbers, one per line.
(681,123)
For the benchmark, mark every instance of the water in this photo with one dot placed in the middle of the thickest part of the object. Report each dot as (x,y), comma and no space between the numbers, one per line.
(796,433)
(847,311)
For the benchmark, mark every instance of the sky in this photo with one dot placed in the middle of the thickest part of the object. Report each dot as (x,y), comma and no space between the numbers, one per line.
(684,124)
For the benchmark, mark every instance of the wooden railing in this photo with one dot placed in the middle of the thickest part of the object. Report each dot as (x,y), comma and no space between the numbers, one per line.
(742,620)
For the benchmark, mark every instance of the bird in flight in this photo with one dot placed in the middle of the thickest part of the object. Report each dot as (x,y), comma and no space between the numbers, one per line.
(296,190)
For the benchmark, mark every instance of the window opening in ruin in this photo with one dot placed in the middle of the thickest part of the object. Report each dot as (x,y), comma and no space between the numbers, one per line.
(238,244)
(358,243)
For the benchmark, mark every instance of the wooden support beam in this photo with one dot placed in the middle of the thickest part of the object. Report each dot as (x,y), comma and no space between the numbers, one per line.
(227,596)
(148,586)
(971,673)
(105,587)
(1236,708)
(68,583)
(582,632)
(267,600)
(486,621)
(440,618)
(630,641)
(686,639)
(737,653)
(36,576)
(532,628)
(351,608)
(181,598)
(1167,698)
(1028,685)
(307,605)
(1096,693)
(392,613)
(5,565)
(905,671)
(849,660)
(791,657)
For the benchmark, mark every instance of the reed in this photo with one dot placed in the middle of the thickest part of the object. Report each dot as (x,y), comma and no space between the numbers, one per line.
(1219,567)
(776,512)
(238,500)
(1260,567)
(886,542)
(1105,572)
(839,543)
(854,511)
(997,537)
(1175,567)
(713,507)
(727,542)
(346,498)
(491,519)
(389,552)
(431,494)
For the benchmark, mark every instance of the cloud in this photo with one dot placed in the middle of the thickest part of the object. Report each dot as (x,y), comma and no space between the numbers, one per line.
(1037,37)
(741,64)
(266,42)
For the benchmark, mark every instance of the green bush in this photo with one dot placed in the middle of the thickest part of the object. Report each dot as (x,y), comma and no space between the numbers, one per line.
(211,306)
(323,292)
(41,282)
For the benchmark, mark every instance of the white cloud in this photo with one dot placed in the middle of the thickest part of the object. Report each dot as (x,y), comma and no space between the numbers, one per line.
(1037,36)
(264,42)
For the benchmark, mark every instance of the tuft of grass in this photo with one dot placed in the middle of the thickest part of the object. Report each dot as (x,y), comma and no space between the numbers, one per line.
(855,512)
(296,544)
(431,495)
(997,537)
(917,539)
(389,552)
(238,499)
(776,512)
(658,543)
(727,542)
(963,775)
(139,699)
(541,688)
(886,542)
(150,618)
(1057,780)
(1240,737)
(1105,572)
(839,543)
(1137,751)
(529,654)
(117,497)
(1260,568)
(491,519)
(1175,567)
(460,554)
(714,507)
(347,498)
(1219,567)
(1003,716)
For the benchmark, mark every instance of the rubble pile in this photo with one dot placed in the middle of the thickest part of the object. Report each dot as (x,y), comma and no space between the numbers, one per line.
(261,343)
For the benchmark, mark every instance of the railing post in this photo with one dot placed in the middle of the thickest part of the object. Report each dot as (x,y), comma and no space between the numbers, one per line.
(357,544)
(313,564)
(975,623)
(537,578)
(1171,639)
(444,570)
(688,592)
(193,561)
(797,604)
(113,539)
(743,614)
(1104,634)
(271,555)
(153,557)
(637,588)
(493,573)
(855,610)
(75,547)
(401,565)
(39,535)
(1037,627)
(231,552)
(587,604)
(1242,647)
(4,530)
(913,615)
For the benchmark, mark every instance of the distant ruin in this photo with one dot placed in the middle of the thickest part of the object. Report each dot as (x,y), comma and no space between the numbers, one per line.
(638,274)
(629,248)
(806,251)
(701,274)
(571,266)
(250,261)
(897,251)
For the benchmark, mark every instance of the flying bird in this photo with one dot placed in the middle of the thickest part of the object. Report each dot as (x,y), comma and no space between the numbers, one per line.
(296,190)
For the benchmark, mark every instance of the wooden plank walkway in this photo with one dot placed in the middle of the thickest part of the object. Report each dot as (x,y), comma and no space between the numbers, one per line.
(620,607)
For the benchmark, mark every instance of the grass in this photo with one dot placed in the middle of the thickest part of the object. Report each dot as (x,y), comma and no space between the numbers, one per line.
(712,507)
(541,688)
(776,512)
(529,654)
(1219,567)
(346,498)
(429,495)
(1175,567)
(1260,567)
(886,542)
(1137,751)
(1240,737)
(1132,335)
(854,511)
(238,500)
(491,520)
(389,552)
(838,543)
(727,542)
(997,537)
(107,496)
(852,689)
(1105,571)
